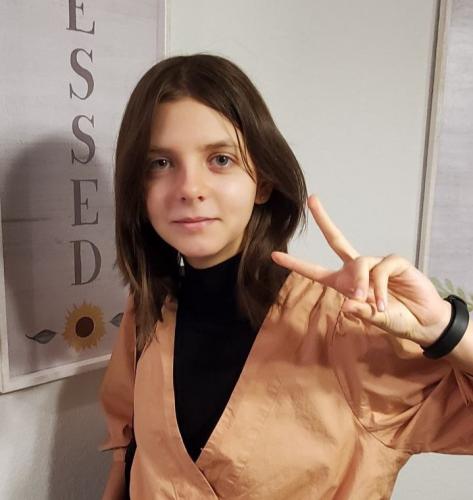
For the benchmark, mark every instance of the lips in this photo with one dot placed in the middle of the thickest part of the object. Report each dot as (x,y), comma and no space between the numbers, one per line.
(194,224)
(194,219)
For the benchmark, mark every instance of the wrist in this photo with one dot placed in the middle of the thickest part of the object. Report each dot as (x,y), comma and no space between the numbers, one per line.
(454,332)
(434,332)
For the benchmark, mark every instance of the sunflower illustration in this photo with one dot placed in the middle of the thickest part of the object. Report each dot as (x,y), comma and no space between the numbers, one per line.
(84,326)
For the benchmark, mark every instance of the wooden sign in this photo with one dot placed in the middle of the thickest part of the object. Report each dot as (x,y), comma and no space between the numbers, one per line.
(70,67)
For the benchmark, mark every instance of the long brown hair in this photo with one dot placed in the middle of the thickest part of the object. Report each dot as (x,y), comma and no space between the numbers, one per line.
(148,264)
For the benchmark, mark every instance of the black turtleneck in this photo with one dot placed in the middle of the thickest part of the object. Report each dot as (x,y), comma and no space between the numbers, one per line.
(212,342)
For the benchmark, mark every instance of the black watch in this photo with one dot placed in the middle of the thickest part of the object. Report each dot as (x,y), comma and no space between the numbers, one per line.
(454,332)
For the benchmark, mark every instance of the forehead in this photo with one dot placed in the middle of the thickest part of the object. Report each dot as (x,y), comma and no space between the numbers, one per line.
(189,122)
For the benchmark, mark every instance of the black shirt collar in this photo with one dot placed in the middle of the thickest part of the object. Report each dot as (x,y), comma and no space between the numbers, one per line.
(210,290)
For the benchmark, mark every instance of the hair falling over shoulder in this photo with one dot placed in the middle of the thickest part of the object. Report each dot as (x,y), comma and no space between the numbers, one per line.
(149,266)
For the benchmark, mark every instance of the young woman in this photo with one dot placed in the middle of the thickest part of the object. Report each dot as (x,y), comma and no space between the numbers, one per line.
(242,372)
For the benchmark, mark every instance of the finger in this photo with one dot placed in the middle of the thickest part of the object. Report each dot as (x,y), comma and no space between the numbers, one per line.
(366,312)
(331,232)
(310,270)
(361,279)
(390,266)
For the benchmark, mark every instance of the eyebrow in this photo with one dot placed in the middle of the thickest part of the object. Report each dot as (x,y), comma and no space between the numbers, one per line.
(205,147)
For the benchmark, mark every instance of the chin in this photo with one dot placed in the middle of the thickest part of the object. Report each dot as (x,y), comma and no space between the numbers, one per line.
(199,255)
(202,252)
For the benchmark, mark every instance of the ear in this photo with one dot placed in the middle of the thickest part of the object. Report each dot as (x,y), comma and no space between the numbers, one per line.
(263,193)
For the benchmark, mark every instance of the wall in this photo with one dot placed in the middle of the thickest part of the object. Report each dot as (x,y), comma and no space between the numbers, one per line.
(347,83)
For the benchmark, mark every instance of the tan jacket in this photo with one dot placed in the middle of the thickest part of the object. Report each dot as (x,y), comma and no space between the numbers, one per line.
(325,408)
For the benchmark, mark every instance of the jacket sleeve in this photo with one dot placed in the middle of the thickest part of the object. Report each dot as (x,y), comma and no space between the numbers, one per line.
(116,391)
(405,400)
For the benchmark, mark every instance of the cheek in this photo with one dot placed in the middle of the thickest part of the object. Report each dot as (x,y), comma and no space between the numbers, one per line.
(154,203)
(240,195)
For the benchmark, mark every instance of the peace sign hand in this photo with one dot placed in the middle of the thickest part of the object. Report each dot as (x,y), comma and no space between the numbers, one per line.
(388,292)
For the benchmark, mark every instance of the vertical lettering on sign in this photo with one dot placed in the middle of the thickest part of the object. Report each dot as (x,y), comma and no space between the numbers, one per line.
(83,72)
(78,202)
(78,262)
(73,8)
(87,139)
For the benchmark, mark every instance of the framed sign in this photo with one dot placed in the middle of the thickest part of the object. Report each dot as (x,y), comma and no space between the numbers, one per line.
(446,240)
(69,68)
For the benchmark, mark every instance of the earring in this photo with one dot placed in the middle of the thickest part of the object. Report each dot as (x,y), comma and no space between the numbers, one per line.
(180,264)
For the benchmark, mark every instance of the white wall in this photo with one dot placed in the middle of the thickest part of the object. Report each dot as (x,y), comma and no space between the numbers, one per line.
(347,83)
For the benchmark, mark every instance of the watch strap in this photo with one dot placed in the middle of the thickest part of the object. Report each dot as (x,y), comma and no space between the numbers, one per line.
(454,332)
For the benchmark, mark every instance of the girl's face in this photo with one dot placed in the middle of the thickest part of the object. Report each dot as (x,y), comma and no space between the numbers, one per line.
(196,171)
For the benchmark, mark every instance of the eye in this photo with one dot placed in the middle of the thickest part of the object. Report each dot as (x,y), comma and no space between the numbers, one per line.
(226,160)
(158,164)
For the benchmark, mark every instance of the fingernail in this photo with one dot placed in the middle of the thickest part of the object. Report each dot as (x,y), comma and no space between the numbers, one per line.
(359,293)
(380,305)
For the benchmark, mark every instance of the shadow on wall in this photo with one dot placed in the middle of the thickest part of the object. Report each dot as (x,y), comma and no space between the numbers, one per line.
(32,183)
(44,197)
(78,471)
(36,189)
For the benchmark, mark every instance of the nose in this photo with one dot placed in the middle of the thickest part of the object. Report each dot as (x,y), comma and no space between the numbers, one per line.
(191,182)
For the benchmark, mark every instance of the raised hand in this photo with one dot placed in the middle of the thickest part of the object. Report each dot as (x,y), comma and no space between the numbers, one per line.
(388,292)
